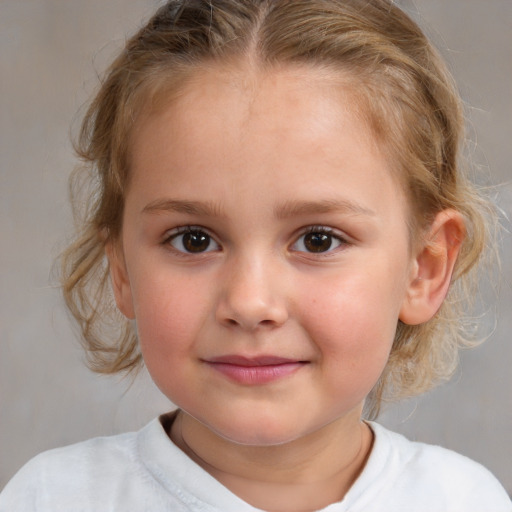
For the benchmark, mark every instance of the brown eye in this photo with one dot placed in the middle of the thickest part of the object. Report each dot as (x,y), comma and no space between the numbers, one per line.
(193,241)
(196,241)
(317,242)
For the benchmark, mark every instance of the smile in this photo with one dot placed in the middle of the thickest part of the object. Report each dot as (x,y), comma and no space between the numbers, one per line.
(255,371)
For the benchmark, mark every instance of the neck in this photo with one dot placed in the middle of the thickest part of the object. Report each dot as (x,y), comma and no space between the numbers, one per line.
(306,474)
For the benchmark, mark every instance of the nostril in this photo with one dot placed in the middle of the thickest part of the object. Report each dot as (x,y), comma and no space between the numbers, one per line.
(250,313)
(263,323)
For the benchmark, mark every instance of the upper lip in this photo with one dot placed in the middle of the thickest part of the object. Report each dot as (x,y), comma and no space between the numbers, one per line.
(263,360)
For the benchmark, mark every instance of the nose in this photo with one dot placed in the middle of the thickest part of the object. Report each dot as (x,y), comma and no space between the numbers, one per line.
(252,295)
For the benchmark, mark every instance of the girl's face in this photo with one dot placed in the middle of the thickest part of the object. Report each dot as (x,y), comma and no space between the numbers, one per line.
(265,253)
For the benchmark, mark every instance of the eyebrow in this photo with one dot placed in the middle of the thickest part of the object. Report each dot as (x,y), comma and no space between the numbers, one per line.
(295,208)
(189,207)
(286,210)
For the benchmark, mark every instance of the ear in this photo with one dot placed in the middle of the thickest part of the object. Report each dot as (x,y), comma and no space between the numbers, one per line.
(119,278)
(433,268)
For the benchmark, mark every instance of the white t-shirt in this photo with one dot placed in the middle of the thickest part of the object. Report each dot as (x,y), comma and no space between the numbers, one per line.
(145,471)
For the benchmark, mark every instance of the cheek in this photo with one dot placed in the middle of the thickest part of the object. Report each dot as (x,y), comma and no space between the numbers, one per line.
(353,325)
(356,310)
(169,312)
(168,321)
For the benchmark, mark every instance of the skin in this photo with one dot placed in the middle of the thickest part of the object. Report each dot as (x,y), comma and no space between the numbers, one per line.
(255,160)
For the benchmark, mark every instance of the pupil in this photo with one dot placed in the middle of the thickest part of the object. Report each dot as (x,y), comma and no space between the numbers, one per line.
(196,241)
(317,242)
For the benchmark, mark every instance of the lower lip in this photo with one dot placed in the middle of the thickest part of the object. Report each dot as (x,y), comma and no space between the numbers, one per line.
(256,375)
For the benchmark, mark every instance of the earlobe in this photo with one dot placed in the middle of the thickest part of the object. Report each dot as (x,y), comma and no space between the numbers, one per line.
(120,280)
(432,268)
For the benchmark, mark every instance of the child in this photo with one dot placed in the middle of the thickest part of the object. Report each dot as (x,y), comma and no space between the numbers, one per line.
(276,189)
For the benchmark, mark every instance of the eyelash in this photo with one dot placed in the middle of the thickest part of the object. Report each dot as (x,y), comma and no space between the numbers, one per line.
(329,232)
(312,230)
(184,230)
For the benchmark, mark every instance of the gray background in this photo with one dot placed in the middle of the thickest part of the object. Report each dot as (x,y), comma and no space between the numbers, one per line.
(51,52)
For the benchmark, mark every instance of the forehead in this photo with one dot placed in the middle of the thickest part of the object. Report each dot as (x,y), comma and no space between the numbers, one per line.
(300,101)
(244,128)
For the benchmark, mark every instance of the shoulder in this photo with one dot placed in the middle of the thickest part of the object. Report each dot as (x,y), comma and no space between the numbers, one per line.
(91,468)
(439,478)
(99,451)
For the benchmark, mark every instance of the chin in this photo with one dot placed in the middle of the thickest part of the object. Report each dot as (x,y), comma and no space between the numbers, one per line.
(258,432)
(258,438)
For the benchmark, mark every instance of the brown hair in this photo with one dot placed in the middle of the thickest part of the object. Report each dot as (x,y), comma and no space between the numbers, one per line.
(407,97)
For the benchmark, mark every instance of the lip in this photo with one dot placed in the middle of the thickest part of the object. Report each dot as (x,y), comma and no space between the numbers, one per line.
(253,371)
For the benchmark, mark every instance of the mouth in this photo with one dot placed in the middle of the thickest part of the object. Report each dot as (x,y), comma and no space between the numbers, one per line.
(253,371)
